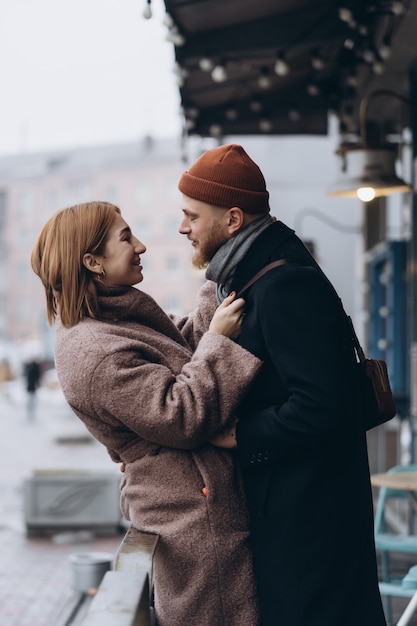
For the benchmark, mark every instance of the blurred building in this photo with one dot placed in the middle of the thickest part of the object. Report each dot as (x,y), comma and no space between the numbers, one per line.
(140,177)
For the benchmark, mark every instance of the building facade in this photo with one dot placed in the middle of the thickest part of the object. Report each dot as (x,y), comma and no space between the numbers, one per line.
(141,178)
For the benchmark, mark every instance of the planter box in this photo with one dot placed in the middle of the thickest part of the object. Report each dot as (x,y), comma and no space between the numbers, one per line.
(74,500)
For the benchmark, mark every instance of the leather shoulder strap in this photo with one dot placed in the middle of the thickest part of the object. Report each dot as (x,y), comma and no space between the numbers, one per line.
(261,272)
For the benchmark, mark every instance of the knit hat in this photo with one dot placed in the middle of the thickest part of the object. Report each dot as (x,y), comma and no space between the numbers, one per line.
(226,177)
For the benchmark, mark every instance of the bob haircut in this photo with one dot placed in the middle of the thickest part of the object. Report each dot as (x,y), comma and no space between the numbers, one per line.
(57,258)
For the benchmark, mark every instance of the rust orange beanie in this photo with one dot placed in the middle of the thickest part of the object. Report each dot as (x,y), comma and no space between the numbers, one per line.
(226,177)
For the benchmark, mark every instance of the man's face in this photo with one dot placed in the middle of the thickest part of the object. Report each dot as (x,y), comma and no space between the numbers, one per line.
(206,226)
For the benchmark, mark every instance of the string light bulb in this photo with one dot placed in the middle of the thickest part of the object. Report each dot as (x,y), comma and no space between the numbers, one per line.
(147,11)
(265,125)
(313,89)
(384,49)
(345,14)
(281,67)
(317,62)
(294,114)
(378,67)
(215,130)
(205,64)
(175,37)
(168,21)
(352,78)
(264,80)
(219,74)
(255,106)
(189,124)
(397,8)
(231,114)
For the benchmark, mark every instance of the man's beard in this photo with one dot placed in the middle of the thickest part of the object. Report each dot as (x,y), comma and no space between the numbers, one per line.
(205,252)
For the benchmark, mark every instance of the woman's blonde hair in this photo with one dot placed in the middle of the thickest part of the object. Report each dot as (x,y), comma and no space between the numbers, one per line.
(57,258)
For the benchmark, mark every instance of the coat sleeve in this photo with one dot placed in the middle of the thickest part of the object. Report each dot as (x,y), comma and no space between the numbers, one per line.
(300,324)
(194,325)
(180,410)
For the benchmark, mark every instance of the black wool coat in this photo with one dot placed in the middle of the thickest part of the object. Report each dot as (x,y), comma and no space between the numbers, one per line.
(303,447)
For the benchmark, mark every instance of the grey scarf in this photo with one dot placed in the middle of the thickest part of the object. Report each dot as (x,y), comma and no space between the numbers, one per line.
(223,265)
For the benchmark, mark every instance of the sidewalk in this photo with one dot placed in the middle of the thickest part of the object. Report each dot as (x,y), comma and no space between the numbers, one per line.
(35,573)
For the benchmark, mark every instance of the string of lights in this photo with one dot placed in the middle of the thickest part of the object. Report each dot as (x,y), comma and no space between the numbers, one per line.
(365,33)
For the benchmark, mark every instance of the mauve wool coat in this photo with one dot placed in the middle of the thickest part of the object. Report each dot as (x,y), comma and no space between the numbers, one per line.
(141,391)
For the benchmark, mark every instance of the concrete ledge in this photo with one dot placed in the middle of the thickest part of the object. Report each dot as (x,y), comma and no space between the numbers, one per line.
(72,499)
(122,600)
(136,552)
(125,596)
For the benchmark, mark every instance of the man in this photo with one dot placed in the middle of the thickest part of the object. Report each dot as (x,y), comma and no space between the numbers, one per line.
(300,437)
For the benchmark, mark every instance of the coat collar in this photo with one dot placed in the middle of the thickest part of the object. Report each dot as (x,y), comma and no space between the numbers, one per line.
(128,304)
(264,249)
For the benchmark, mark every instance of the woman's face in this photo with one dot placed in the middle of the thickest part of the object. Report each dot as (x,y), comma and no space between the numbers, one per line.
(121,257)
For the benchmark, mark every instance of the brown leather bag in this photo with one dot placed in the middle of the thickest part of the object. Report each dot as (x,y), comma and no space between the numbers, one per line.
(377,400)
(379,406)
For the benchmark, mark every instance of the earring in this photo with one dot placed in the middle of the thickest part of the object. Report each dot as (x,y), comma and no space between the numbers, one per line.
(101,275)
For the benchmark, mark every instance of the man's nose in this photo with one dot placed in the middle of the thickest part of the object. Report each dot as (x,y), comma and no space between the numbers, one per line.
(184,228)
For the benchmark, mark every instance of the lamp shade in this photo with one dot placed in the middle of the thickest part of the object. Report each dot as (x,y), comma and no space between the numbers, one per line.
(369,173)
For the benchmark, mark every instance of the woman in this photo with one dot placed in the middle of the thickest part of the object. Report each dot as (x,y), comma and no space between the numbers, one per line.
(130,375)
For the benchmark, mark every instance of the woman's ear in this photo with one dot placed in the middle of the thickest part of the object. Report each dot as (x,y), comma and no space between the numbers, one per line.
(91,263)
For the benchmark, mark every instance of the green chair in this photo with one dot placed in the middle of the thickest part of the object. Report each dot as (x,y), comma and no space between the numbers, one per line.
(387,541)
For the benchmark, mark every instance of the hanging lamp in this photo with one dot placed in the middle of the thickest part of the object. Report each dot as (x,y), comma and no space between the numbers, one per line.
(368,172)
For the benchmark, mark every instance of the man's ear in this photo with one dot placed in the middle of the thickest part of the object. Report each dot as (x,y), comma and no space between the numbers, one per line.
(91,263)
(235,220)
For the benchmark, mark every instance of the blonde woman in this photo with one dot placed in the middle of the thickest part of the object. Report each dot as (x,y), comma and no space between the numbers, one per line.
(154,401)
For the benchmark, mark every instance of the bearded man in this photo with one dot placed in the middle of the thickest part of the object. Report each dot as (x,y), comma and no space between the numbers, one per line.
(300,437)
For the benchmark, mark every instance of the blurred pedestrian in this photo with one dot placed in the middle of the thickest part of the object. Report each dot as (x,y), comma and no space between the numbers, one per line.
(32,374)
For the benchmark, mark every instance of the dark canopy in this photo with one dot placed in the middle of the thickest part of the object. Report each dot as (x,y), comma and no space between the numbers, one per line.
(335,53)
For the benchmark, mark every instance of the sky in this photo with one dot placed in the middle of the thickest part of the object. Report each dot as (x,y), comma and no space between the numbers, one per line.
(84,72)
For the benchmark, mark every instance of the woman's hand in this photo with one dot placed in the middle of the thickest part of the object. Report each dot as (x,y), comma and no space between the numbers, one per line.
(225,439)
(228,317)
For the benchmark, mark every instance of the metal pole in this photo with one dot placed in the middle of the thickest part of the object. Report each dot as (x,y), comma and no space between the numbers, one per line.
(412,276)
